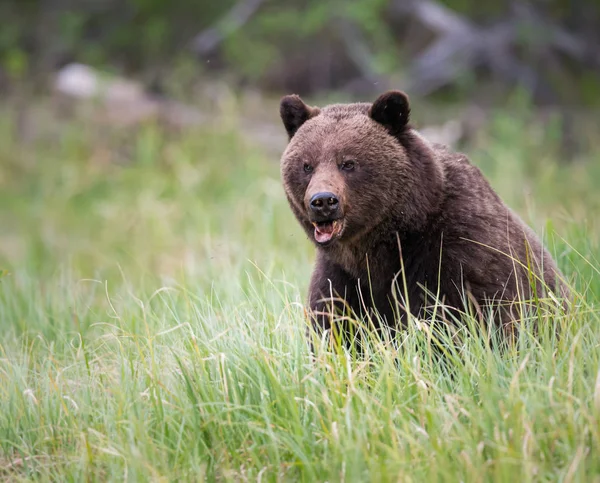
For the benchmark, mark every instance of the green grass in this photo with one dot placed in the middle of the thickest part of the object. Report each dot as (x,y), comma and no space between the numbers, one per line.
(151,311)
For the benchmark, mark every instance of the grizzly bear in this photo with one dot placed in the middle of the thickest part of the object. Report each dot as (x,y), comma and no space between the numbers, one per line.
(403,225)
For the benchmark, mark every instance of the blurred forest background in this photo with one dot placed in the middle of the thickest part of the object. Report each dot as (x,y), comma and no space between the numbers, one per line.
(549,47)
(464,55)
(468,52)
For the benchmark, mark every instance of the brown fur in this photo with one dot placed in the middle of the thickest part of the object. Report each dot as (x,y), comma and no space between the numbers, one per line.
(404,195)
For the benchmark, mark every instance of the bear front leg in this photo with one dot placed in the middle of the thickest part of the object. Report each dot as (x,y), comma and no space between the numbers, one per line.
(332,301)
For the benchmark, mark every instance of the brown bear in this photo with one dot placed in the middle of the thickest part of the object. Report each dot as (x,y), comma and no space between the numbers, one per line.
(401,224)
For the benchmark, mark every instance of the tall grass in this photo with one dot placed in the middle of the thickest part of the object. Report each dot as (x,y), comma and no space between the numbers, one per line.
(152,328)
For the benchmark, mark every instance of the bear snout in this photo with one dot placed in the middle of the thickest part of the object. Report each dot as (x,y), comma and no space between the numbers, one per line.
(324,205)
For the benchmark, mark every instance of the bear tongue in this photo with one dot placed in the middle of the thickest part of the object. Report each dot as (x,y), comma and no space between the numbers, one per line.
(326,231)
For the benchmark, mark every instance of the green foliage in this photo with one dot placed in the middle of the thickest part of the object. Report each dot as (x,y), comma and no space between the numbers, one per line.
(135,34)
(297,45)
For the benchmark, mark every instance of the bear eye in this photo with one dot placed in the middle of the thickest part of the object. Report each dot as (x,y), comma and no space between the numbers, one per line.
(347,165)
(308,168)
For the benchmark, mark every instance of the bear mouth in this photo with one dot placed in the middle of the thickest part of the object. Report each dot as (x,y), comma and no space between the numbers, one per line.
(327,231)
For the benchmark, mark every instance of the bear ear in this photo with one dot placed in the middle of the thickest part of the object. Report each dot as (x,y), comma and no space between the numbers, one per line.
(392,110)
(294,113)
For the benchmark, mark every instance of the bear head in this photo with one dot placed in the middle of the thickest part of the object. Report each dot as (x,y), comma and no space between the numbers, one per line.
(351,168)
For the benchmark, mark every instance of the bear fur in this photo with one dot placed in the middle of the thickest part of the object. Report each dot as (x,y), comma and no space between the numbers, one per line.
(412,222)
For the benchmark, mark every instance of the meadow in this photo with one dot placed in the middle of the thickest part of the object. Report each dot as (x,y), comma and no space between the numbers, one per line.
(152,287)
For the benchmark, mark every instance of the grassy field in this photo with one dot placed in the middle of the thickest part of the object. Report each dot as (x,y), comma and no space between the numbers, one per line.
(151,311)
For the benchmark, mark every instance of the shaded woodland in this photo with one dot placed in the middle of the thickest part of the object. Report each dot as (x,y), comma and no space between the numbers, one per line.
(452,49)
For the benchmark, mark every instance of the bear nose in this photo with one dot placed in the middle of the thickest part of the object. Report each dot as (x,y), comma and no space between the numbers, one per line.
(324,203)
